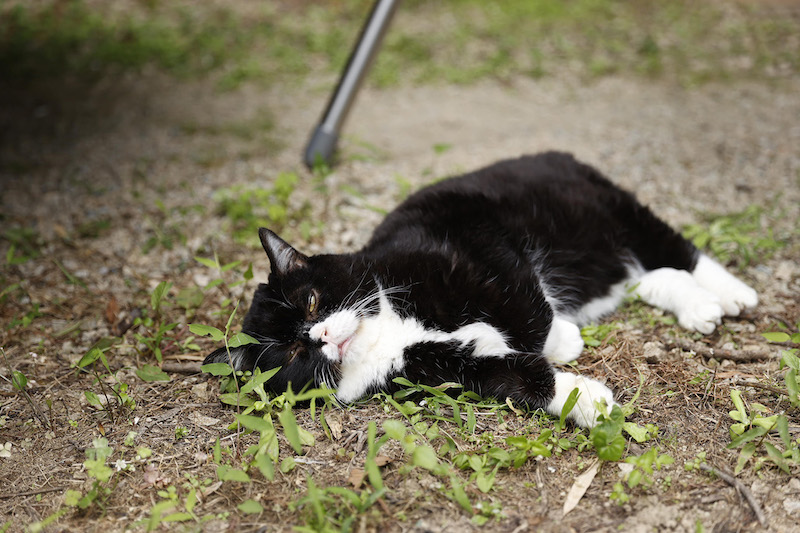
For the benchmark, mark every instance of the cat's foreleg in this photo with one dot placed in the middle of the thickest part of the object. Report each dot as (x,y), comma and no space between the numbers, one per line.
(564,342)
(590,392)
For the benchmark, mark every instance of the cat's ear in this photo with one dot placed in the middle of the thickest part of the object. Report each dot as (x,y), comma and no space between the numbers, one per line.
(282,257)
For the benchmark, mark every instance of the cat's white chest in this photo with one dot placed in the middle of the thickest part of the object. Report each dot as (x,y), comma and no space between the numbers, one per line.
(376,351)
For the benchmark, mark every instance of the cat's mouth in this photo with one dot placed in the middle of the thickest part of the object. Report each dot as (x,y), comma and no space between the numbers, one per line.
(343,346)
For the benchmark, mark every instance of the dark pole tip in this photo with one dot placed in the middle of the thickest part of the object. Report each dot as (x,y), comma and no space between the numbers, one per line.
(320,148)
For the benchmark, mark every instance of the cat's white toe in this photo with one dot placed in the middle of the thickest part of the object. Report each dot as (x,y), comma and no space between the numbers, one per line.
(702,313)
(564,342)
(738,298)
(591,392)
(734,295)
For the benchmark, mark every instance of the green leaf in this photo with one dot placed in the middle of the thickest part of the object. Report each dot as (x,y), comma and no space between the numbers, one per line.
(485,480)
(92,398)
(459,495)
(250,507)
(258,379)
(288,464)
(425,457)
(373,472)
(747,436)
(202,329)
(306,438)
(776,336)
(777,457)
(290,429)
(227,473)
(72,497)
(747,452)
(608,441)
(207,262)
(256,423)
(240,339)
(572,399)
(158,294)
(636,431)
(266,466)
(217,369)
(89,357)
(395,429)
(19,380)
(233,398)
(152,373)
(177,517)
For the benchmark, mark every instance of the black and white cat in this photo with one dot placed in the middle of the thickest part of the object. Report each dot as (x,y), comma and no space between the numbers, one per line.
(484,280)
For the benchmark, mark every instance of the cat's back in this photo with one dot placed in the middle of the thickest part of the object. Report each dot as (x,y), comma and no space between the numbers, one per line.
(551,186)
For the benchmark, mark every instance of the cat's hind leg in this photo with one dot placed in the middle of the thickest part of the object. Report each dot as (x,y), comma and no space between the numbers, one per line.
(564,342)
(734,295)
(677,291)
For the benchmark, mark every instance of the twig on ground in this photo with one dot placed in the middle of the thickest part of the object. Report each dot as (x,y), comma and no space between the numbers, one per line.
(708,352)
(29,493)
(180,368)
(738,485)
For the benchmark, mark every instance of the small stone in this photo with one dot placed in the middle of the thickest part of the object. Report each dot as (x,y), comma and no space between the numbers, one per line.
(653,351)
(792,507)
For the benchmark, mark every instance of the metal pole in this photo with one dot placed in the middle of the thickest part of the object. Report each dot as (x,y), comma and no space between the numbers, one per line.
(323,141)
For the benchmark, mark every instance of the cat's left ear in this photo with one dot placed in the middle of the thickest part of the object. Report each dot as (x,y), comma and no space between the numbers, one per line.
(282,257)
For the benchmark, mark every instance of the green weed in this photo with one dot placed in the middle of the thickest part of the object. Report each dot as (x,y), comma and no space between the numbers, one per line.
(250,208)
(691,42)
(736,238)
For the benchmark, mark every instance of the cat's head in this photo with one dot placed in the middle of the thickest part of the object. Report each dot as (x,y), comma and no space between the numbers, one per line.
(304,317)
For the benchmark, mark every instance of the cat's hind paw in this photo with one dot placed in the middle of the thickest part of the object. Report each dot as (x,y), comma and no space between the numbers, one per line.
(701,312)
(590,391)
(734,295)
(564,342)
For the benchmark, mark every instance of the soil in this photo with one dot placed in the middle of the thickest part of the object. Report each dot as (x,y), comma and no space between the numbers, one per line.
(101,173)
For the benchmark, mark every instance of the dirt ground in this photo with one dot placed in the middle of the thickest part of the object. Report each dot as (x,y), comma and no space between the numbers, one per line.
(117,183)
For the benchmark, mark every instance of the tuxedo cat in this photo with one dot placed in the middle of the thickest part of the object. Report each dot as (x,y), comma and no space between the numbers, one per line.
(483,280)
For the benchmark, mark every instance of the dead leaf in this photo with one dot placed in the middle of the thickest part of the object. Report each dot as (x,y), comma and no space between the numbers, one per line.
(203,420)
(383,460)
(580,486)
(112,310)
(152,477)
(356,477)
(334,421)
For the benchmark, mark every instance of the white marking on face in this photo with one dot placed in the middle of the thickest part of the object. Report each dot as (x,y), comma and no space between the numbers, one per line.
(371,348)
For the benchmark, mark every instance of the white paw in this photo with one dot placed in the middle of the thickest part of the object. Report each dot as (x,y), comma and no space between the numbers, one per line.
(702,311)
(590,391)
(734,295)
(564,342)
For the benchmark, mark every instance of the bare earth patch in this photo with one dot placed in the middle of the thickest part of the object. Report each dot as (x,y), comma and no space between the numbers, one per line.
(117,189)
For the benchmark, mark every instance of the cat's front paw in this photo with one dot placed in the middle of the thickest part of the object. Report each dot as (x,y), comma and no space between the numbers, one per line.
(590,391)
(564,342)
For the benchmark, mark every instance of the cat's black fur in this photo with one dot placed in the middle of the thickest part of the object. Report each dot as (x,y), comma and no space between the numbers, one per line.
(487,246)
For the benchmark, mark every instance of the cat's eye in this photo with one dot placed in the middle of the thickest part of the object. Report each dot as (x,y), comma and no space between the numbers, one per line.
(312,302)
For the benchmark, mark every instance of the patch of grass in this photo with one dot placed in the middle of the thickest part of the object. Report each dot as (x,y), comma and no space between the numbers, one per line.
(735,238)
(455,41)
(249,208)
